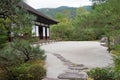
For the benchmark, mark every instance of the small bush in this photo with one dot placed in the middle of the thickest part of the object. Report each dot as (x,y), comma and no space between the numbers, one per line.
(37,61)
(20,72)
(116,60)
(101,74)
(117,75)
(28,71)
(38,72)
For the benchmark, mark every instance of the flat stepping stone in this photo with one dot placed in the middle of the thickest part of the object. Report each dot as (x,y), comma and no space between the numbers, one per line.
(50,79)
(77,65)
(69,63)
(73,75)
(77,68)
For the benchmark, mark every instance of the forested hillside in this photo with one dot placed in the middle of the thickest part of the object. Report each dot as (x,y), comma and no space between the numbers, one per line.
(53,11)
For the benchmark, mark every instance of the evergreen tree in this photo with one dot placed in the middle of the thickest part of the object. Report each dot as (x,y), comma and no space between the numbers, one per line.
(17,20)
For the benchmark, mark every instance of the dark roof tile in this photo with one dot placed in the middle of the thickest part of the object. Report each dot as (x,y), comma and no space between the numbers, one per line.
(40,16)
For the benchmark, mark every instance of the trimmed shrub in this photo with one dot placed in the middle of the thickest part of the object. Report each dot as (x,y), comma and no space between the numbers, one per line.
(20,72)
(37,72)
(116,59)
(117,75)
(28,71)
(101,74)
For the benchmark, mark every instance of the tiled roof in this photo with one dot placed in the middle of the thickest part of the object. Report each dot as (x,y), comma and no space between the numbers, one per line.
(40,16)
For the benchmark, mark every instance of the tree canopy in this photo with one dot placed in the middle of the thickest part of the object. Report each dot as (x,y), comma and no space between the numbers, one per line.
(15,53)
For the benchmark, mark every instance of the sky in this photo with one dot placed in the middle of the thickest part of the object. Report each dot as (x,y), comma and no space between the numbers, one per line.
(57,3)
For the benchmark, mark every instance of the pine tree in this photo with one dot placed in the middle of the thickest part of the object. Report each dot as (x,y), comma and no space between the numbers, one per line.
(16,19)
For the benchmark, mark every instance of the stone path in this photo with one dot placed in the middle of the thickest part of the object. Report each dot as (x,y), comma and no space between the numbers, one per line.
(74,70)
(71,65)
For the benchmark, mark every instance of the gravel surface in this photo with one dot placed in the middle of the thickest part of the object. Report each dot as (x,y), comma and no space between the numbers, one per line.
(89,53)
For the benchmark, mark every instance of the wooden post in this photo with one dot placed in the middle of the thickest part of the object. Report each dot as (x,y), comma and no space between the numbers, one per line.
(9,36)
(109,49)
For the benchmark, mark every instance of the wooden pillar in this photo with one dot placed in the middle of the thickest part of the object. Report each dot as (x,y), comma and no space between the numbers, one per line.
(40,32)
(45,32)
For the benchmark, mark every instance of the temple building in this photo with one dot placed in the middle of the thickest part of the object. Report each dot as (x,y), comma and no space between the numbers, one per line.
(41,27)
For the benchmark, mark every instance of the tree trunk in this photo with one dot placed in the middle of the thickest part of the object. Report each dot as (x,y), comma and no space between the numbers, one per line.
(109,49)
(9,36)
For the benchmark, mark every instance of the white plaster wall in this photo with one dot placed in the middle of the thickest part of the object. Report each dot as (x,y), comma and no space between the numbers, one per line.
(48,32)
(43,31)
(35,31)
